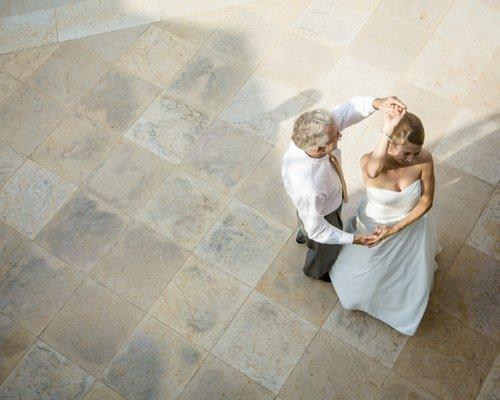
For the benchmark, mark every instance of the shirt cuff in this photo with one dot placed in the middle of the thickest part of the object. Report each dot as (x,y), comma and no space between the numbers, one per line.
(372,98)
(346,238)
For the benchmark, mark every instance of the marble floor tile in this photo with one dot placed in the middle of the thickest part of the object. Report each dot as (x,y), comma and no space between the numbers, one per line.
(100,391)
(169,128)
(45,374)
(397,387)
(298,62)
(281,12)
(184,208)
(264,108)
(216,380)
(4,8)
(31,197)
(387,44)
(129,177)
(258,337)
(24,63)
(243,242)
(140,265)
(8,86)
(157,55)
(491,72)
(34,287)
(482,99)
(118,100)
(485,235)
(32,116)
(224,156)
(82,231)
(244,37)
(200,302)
(175,9)
(88,333)
(155,362)
(491,386)
(367,334)
(18,7)
(208,81)
(285,283)
(469,291)
(10,161)
(80,19)
(450,247)
(330,369)
(68,74)
(439,357)
(14,341)
(12,244)
(75,148)
(28,30)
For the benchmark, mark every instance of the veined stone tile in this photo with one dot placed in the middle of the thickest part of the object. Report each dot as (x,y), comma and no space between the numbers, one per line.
(184,208)
(82,231)
(75,148)
(28,30)
(224,156)
(5,58)
(243,242)
(14,341)
(482,99)
(32,116)
(264,108)
(216,380)
(8,86)
(177,9)
(157,55)
(31,197)
(68,74)
(91,326)
(35,285)
(100,391)
(139,265)
(200,302)
(285,283)
(208,81)
(12,243)
(259,337)
(366,334)
(330,369)
(397,387)
(10,160)
(491,72)
(491,386)
(24,63)
(243,37)
(155,362)
(45,374)
(118,100)
(4,8)
(24,6)
(169,128)
(80,19)
(129,177)
(280,12)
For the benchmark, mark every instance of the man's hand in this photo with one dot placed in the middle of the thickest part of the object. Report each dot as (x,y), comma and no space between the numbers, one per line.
(386,103)
(365,240)
(393,114)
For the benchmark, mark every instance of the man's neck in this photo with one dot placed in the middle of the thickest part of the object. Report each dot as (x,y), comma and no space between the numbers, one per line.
(315,154)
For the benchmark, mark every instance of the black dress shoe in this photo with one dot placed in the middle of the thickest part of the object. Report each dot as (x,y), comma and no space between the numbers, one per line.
(300,239)
(326,277)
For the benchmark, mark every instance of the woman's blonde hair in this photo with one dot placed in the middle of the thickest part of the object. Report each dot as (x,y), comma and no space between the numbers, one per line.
(310,129)
(409,129)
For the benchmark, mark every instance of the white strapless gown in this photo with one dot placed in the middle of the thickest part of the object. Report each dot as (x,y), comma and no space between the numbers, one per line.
(391,281)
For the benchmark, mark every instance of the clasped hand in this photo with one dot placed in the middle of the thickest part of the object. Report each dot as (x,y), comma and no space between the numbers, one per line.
(380,233)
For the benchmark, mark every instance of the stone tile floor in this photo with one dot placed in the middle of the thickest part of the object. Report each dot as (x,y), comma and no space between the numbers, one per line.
(146,244)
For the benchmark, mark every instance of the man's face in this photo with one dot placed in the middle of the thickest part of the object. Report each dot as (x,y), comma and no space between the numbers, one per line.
(334,136)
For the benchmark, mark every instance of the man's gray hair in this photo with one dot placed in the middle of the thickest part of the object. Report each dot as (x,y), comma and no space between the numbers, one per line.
(310,129)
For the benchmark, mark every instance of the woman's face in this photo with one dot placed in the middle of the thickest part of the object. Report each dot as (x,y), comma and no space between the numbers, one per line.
(405,154)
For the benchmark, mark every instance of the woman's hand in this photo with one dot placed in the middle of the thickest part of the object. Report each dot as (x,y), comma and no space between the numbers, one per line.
(393,114)
(382,232)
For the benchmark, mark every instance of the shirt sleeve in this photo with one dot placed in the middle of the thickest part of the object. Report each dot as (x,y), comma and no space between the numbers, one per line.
(355,110)
(316,226)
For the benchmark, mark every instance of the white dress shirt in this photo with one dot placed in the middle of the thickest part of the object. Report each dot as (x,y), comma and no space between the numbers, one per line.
(313,184)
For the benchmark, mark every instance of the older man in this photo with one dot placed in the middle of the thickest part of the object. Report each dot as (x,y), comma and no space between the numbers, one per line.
(313,178)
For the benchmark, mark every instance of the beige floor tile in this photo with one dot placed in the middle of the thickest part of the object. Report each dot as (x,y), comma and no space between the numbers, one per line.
(208,81)
(155,362)
(200,302)
(491,386)
(492,70)
(75,148)
(140,265)
(214,158)
(82,231)
(44,373)
(29,30)
(157,55)
(258,337)
(184,208)
(24,63)
(18,7)
(68,74)
(118,100)
(88,333)
(8,86)
(32,116)
(5,58)
(31,198)
(330,369)
(216,380)
(280,12)
(10,161)
(298,62)
(175,9)
(4,8)
(12,243)
(450,247)
(482,99)
(169,128)
(243,242)
(387,44)
(397,387)
(285,283)
(14,342)
(100,391)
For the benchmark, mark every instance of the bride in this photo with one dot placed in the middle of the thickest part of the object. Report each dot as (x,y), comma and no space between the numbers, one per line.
(392,279)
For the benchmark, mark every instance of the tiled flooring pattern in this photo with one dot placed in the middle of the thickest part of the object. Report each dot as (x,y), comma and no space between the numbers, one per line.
(146,243)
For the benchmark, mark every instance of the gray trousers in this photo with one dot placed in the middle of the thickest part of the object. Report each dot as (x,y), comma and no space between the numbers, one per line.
(320,257)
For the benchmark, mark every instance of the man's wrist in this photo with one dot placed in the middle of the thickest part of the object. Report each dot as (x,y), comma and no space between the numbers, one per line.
(376,103)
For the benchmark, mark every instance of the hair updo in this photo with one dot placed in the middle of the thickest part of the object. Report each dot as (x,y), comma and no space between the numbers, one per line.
(409,129)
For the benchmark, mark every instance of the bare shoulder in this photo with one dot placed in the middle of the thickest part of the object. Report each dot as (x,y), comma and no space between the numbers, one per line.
(363,161)
(426,157)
